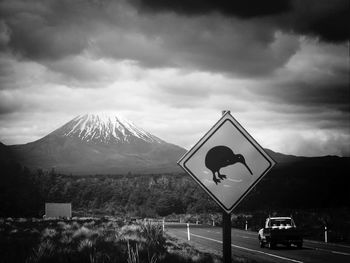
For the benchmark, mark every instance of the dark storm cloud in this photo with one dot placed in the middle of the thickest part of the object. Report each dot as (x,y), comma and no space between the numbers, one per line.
(241,8)
(321,18)
(334,96)
(9,106)
(209,43)
(309,95)
(245,46)
(50,46)
(325,19)
(54,30)
(46,30)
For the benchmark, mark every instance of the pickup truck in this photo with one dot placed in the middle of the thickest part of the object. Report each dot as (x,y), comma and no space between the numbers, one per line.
(280,230)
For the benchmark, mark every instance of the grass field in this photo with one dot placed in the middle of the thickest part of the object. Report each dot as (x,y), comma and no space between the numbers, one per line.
(92,240)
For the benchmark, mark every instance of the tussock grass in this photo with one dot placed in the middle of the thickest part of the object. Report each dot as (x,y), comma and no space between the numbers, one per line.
(90,240)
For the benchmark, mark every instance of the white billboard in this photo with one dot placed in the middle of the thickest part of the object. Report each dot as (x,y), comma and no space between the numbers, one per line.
(58,210)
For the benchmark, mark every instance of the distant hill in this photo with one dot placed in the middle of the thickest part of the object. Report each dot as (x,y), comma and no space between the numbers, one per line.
(107,144)
(302,182)
(5,154)
(296,183)
(100,144)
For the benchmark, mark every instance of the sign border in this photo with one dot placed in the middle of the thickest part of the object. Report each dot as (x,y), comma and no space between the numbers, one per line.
(187,156)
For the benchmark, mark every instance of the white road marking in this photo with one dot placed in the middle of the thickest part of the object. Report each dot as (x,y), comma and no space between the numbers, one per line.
(246,232)
(340,253)
(323,243)
(245,237)
(236,234)
(320,249)
(251,250)
(327,250)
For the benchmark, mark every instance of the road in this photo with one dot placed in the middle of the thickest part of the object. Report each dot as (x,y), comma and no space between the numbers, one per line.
(245,244)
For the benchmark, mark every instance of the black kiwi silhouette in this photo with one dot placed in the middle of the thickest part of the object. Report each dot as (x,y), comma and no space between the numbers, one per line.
(222,156)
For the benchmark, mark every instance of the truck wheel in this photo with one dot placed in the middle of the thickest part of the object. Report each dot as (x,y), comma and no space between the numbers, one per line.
(262,244)
(272,245)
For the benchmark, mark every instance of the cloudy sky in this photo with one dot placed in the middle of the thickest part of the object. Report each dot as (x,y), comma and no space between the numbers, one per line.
(281,67)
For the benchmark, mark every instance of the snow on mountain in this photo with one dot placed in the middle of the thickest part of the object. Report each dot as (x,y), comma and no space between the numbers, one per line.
(106,128)
(100,143)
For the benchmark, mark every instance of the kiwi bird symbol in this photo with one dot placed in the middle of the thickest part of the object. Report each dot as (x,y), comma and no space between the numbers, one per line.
(222,156)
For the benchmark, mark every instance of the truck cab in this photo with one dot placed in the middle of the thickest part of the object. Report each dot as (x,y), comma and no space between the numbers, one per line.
(280,230)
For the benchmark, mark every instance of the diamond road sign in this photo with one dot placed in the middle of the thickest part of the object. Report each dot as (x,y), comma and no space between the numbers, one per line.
(227,162)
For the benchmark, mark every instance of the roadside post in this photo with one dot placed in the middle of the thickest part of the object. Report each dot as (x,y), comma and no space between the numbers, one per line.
(246,225)
(325,234)
(227,163)
(188,232)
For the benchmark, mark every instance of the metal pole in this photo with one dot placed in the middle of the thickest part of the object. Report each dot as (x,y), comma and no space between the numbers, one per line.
(226,237)
(325,235)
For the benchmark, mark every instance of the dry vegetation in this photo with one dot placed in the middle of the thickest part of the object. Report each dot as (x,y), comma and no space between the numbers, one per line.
(91,240)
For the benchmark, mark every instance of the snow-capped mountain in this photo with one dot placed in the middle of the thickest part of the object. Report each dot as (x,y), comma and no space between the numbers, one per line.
(100,143)
(106,128)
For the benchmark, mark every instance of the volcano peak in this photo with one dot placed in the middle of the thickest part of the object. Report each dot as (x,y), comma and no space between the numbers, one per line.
(107,128)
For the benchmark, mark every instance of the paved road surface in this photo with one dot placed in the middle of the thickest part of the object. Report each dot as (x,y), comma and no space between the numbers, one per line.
(245,244)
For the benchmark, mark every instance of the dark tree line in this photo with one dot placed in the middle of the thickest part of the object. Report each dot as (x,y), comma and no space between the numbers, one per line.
(24,193)
(20,191)
(311,184)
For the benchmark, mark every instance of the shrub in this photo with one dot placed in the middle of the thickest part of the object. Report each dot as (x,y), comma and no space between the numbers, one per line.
(133,255)
(48,233)
(43,253)
(59,241)
(153,233)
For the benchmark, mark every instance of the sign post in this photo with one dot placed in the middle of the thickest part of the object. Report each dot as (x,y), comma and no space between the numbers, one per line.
(226,233)
(226,237)
(227,163)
